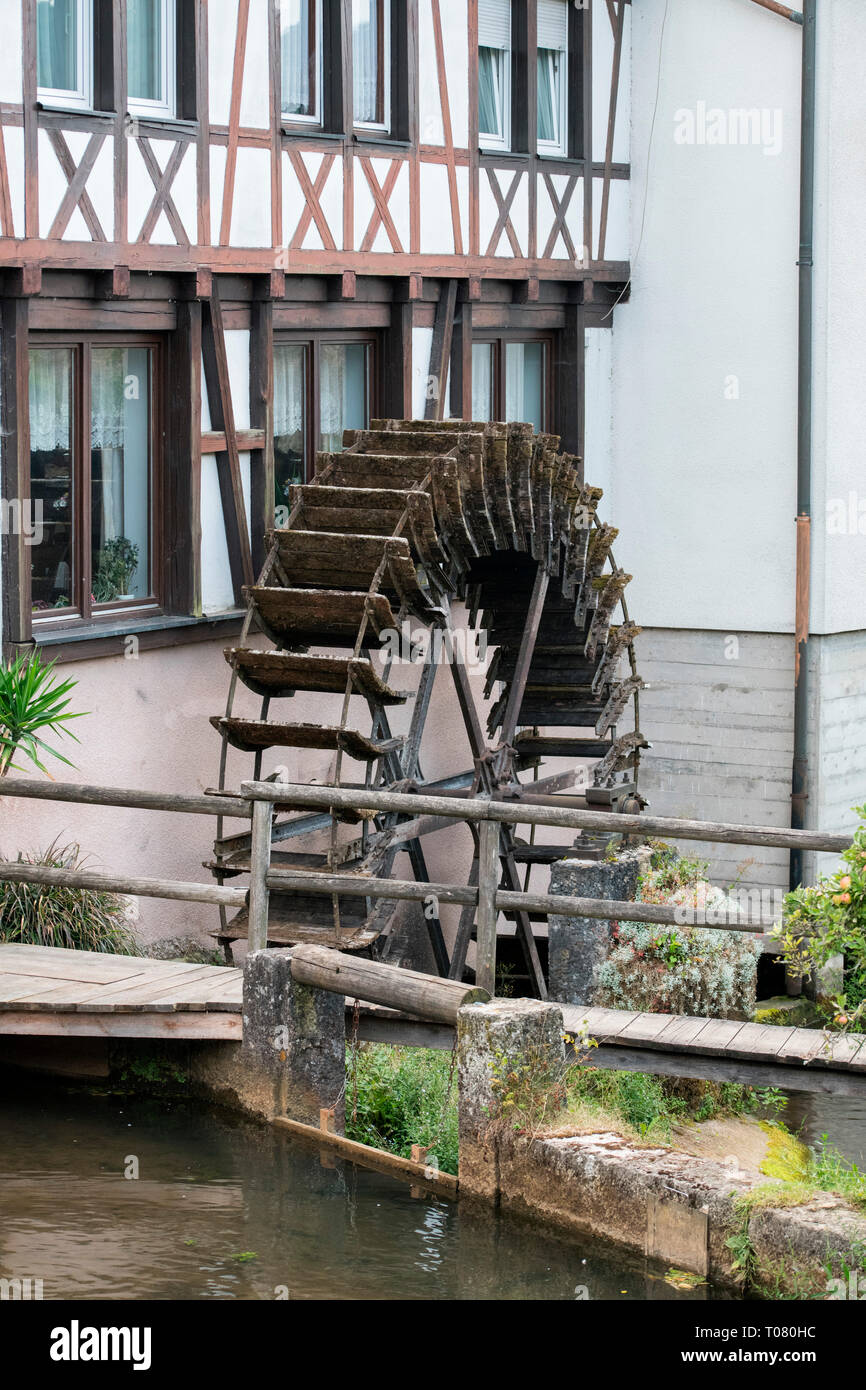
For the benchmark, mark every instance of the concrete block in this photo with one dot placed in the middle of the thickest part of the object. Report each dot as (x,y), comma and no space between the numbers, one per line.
(578,946)
(492,1039)
(294,1044)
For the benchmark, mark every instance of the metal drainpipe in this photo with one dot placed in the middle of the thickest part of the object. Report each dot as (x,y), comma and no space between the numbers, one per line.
(800,771)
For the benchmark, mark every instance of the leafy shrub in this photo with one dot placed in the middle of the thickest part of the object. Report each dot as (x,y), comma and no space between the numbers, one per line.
(81,919)
(684,970)
(828,920)
(397,1097)
(33,700)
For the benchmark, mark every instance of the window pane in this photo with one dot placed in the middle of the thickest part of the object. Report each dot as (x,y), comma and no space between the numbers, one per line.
(524,383)
(343,392)
(366,67)
(145,38)
(57,45)
(490,91)
(482,381)
(51,476)
(298,45)
(290,418)
(549,78)
(120,473)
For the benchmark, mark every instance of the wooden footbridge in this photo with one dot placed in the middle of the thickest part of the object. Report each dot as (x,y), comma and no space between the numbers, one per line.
(50,992)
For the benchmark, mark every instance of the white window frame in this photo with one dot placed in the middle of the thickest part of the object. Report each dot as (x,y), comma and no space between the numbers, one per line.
(315,118)
(486,139)
(162,110)
(384,125)
(82,98)
(558,148)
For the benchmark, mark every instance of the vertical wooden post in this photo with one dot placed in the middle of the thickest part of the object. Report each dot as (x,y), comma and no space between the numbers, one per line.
(261,417)
(260,862)
(15,468)
(485,921)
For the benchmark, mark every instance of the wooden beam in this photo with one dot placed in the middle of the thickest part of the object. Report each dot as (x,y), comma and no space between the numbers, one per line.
(440,351)
(461,363)
(182,579)
(262,484)
(216,372)
(424,995)
(15,467)
(487,913)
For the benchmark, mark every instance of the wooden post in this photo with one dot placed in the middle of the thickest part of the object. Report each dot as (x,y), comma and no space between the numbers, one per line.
(485,921)
(257,933)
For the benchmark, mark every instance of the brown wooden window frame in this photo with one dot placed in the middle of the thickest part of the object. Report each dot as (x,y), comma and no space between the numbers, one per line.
(497,339)
(313,342)
(84,612)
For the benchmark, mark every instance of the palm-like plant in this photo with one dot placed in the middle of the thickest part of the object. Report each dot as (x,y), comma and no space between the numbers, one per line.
(33,701)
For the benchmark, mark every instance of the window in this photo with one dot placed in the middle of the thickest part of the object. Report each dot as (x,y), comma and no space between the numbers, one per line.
(64,52)
(92,476)
(301,56)
(552,76)
(327,381)
(371,63)
(494,74)
(151,51)
(510,380)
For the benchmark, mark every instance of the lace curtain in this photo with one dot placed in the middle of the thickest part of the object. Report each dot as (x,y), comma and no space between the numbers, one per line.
(50,399)
(289,391)
(297,19)
(365,59)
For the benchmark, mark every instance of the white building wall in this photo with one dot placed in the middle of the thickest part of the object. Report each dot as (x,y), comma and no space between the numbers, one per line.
(704,352)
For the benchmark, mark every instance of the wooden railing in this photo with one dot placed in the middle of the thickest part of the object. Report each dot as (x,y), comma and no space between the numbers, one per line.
(257,802)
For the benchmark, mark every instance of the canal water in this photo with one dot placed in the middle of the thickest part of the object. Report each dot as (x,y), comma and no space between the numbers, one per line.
(217,1208)
(842,1118)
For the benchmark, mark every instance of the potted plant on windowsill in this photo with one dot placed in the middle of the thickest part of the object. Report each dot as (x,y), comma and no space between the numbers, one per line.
(118,561)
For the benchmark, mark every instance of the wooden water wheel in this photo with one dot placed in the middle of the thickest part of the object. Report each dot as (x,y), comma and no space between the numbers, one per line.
(410,517)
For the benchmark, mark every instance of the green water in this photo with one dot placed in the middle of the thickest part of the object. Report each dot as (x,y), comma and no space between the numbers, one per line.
(211,1189)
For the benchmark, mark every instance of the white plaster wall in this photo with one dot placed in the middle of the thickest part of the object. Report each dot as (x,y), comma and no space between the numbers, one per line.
(217,595)
(422,339)
(703,485)
(839,475)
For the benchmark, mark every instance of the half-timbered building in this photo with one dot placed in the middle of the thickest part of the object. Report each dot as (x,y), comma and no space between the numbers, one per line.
(232,229)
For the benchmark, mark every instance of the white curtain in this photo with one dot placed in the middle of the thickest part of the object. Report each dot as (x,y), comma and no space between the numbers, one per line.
(524,383)
(144,31)
(489,91)
(342,392)
(552,50)
(482,381)
(289,390)
(50,399)
(57,44)
(365,59)
(297,20)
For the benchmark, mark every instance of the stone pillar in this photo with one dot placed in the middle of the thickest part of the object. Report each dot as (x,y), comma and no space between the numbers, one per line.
(294,1044)
(491,1038)
(579,945)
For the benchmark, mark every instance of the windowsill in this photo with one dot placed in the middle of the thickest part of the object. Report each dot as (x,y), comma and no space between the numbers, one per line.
(85,112)
(300,130)
(106,636)
(174,123)
(376,137)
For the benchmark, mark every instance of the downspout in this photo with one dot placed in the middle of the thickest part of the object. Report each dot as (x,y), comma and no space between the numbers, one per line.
(800,771)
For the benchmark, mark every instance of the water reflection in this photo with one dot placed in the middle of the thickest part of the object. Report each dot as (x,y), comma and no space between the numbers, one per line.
(223,1209)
